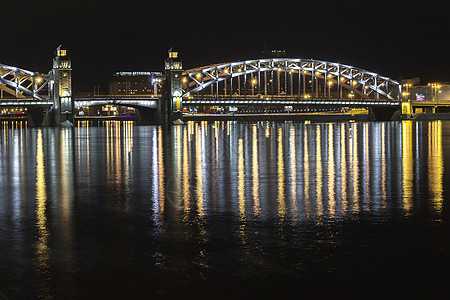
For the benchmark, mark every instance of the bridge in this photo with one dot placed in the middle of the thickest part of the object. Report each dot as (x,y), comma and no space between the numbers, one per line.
(253,84)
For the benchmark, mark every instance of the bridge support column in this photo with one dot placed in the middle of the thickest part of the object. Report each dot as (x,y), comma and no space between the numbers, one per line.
(171,104)
(61,88)
(385,113)
(147,116)
(406,110)
(39,116)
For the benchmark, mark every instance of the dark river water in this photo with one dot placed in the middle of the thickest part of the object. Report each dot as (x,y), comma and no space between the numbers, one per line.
(224,210)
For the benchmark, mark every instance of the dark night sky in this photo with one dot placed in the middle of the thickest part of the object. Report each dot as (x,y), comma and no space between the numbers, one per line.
(395,39)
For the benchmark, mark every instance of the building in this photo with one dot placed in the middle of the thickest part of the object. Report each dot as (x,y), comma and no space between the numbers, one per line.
(430,92)
(274,53)
(136,83)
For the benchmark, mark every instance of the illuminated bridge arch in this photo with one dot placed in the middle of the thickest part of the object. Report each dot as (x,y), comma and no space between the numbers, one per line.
(293,78)
(19,84)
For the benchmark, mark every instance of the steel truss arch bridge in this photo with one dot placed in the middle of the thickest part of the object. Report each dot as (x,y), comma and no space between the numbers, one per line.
(288,78)
(22,87)
(253,83)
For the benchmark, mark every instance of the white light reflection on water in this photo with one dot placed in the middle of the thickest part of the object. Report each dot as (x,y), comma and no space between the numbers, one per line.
(340,169)
(321,170)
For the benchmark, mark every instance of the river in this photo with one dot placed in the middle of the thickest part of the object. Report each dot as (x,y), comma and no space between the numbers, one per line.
(223,209)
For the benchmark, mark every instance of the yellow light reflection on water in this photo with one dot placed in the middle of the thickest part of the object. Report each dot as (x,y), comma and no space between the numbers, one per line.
(354,166)
(294,173)
(319,171)
(435,165)
(198,170)
(200,133)
(407,166)
(67,178)
(343,169)
(42,246)
(241,180)
(331,171)
(186,186)
(281,197)
(255,173)
(366,167)
(162,190)
(306,173)
(174,192)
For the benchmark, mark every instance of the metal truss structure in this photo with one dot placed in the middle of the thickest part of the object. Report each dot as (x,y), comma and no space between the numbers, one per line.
(294,78)
(18,83)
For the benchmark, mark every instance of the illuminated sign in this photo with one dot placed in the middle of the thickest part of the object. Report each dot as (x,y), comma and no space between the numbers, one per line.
(420,97)
(135,73)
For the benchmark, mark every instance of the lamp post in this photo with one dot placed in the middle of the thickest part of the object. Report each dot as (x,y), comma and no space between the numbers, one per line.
(406,93)
(434,91)
(329,89)
(254,81)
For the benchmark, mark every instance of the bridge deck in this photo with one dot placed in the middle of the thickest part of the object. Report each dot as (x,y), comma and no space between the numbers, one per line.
(24,102)
(151,101)
(285,101)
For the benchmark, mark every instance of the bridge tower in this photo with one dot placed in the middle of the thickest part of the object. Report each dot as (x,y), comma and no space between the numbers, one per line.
(172,102)
(61,88)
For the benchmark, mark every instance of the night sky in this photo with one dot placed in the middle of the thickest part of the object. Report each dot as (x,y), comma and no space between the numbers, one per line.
(395,39)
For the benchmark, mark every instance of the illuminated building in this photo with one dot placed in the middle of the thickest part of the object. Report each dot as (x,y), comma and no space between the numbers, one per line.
(135,83)
(274,53)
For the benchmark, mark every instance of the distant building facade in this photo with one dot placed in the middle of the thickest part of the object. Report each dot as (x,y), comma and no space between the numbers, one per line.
(274,53)
(430,92)
(136,83)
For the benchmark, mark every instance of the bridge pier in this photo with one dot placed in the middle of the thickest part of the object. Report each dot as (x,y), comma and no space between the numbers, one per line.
(61,89)
(40,116)
(148,116)
(385,113)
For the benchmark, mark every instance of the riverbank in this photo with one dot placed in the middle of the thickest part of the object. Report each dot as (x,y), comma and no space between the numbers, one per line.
(430,117)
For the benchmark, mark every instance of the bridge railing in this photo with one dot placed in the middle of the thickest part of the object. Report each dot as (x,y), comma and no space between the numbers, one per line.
(277,101)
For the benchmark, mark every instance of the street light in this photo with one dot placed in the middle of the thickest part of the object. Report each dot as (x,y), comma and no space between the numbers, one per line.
(434,90)
(406,93)
(254,81)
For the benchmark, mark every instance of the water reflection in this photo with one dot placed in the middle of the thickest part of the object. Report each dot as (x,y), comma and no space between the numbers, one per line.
(407,162)
(42,243)
(339,169)
(320,170)
(206,187)
(435,165)
(281,178)
(255,173)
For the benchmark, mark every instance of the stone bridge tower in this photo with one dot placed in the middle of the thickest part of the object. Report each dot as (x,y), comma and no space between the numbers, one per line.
(172,101)
(61,88)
